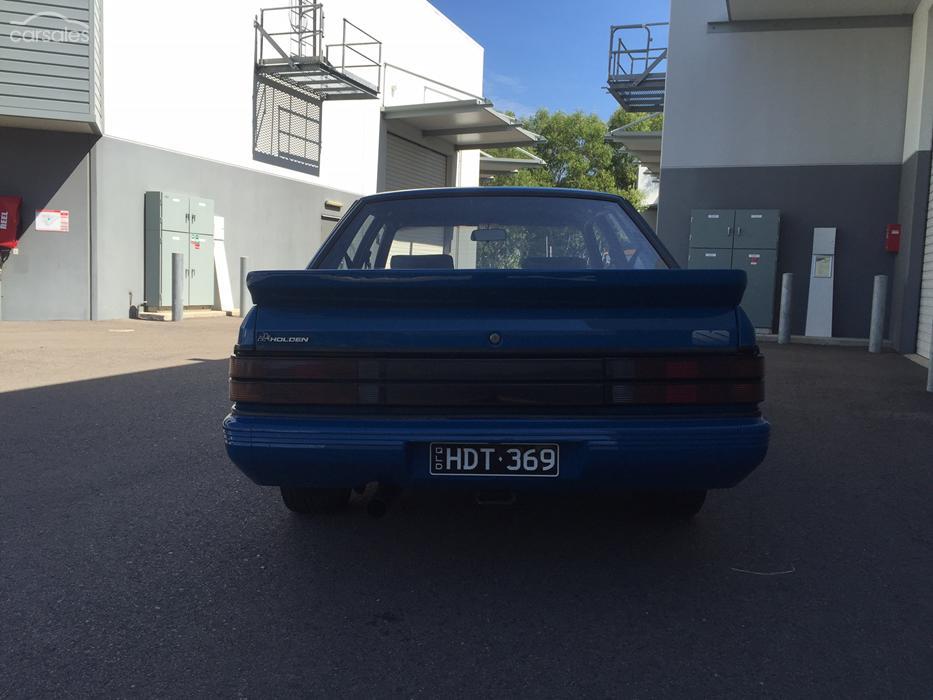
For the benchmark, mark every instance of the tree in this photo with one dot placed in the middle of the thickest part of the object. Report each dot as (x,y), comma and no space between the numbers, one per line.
(577,154)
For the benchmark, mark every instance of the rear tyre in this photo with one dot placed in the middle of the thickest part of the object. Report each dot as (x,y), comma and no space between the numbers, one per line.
(308,501)
(677,505)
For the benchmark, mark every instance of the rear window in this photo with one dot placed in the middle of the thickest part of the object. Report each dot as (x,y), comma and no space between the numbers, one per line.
(494,233)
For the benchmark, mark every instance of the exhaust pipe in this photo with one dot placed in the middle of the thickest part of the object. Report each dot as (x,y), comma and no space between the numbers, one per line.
(379,504)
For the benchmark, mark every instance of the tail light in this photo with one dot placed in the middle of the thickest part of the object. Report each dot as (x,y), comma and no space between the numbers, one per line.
(714,379)
(511,382)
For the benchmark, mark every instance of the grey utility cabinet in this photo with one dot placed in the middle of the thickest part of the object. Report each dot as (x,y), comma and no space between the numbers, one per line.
(178,223)
(740,239)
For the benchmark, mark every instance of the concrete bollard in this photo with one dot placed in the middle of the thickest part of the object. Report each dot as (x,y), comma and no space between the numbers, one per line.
(244,292)
(787,298)
(879,303)
(178,286)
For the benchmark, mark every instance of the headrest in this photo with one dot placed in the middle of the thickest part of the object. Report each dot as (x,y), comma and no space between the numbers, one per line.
(422,262)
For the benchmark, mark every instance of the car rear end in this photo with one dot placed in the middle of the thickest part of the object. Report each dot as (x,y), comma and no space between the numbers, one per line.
(513,379)
(340,389)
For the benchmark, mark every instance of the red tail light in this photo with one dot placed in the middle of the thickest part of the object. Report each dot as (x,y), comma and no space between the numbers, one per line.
(687,393)
(504,382)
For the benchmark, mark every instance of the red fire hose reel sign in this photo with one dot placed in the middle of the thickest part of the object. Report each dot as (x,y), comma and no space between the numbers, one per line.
(9,221)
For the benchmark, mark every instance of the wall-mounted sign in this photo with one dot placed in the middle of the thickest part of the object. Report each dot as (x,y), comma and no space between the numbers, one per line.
(823,266)
(52,220)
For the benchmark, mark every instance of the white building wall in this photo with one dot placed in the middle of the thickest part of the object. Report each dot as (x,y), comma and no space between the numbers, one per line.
(814,97)
(180,77)
(649,186)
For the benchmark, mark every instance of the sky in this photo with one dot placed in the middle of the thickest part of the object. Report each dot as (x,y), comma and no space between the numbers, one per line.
(548,53)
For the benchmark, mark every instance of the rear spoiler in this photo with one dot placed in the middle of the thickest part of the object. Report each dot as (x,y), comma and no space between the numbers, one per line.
(671,289)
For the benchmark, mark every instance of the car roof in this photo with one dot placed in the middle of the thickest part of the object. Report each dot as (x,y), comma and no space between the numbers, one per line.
(489,192)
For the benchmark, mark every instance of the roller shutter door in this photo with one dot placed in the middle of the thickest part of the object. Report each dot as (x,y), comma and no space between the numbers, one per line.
(409,166)
(925,319)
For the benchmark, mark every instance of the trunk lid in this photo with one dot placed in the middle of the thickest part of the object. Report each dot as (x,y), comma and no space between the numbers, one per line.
(608,312)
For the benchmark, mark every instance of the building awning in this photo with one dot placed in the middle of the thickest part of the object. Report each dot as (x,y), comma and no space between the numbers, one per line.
(465,124)
(644,145)
(492,165)
(756,10)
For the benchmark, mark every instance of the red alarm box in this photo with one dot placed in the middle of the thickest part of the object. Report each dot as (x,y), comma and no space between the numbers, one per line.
(892,238)
(9,220)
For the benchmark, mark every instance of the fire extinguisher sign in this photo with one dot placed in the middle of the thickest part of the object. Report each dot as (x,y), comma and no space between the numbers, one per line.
(52,220)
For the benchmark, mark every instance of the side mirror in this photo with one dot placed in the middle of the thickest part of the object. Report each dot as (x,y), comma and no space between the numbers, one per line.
(488,235)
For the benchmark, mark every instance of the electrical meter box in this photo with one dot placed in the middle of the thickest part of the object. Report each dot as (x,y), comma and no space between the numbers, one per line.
(740,239)
(178,223)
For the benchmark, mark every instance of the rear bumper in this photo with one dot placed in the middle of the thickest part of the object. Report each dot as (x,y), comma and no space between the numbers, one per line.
(623,453)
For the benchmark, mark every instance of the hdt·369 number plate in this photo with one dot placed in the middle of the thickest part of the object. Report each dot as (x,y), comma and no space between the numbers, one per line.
(452,458)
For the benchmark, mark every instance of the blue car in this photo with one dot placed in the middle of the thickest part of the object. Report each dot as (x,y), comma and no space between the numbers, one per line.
(498,340)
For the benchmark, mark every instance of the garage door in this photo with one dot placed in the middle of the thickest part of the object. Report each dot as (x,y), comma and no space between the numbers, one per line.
(926,286)
(409,165)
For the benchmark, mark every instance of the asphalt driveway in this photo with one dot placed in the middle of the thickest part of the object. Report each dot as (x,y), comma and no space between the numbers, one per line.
(136,561)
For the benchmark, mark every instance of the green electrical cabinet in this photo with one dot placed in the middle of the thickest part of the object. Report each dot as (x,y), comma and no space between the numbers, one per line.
(201,216)
(201,270)
(740,239)
(178,223)
(711,228)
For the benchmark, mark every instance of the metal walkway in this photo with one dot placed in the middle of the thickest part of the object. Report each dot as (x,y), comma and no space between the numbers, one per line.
(290,48)
(637,67)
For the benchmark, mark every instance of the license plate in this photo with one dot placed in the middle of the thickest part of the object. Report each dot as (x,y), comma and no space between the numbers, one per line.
(473,459)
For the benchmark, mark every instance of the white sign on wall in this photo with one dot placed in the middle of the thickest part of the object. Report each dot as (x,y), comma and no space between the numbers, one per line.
(52,220)
(820,300)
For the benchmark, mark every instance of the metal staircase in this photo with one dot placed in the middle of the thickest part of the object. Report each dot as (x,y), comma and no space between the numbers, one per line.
(637,67)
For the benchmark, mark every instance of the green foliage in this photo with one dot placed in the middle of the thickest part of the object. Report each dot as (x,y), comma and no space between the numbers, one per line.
(577,154)
(523,242)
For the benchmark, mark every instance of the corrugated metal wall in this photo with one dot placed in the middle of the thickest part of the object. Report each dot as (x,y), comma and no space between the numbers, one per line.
(409,166)
(48,68)
(925,317)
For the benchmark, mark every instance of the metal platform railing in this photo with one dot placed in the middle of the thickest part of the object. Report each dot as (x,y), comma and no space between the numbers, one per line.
(289,47)
(637,67)
(361,54)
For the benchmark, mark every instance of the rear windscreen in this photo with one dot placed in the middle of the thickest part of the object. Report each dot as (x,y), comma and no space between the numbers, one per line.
(493,232)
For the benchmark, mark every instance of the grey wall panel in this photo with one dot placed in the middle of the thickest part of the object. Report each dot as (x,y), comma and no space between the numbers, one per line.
(9,104)
(48,49)
(784,97)
(905,284)
(97,63)
(274,221)
(49,278)
(73,9)
(857,200)
(17,58)
(50,67)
